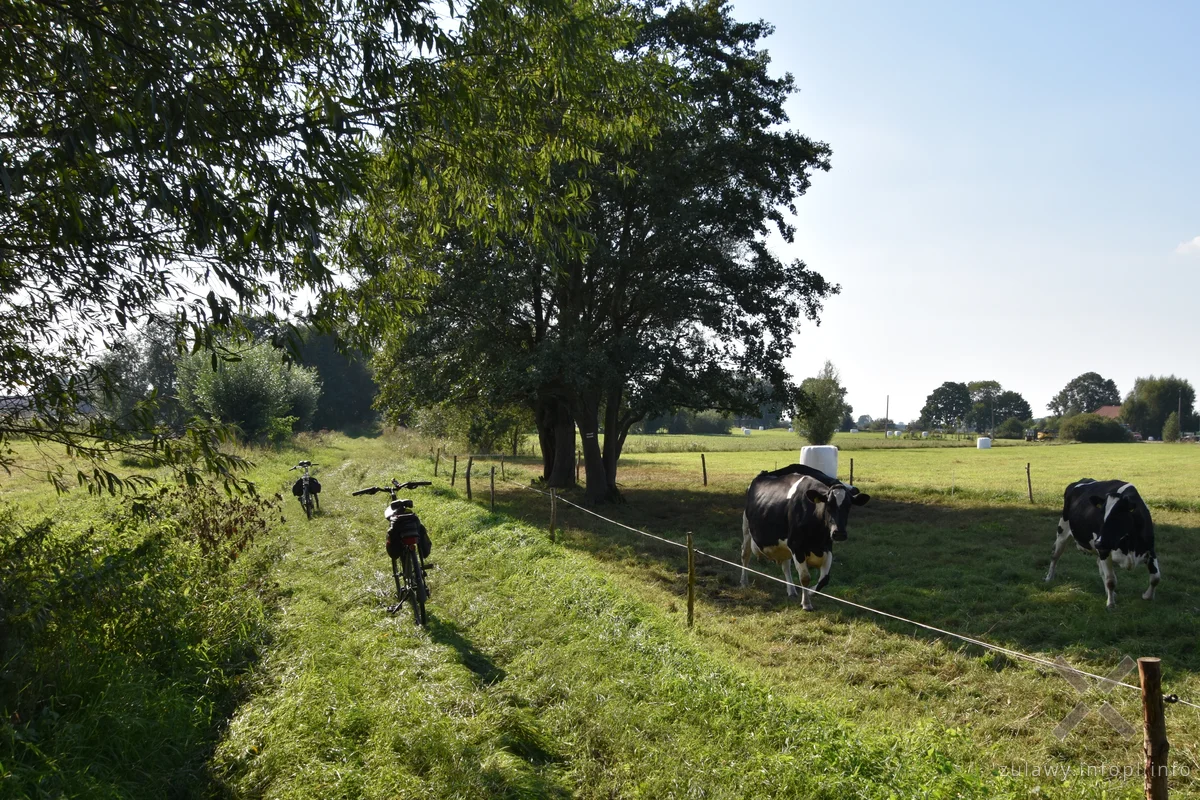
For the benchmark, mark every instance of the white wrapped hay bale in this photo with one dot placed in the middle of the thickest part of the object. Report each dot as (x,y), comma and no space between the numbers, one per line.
(823,457)
(983,443)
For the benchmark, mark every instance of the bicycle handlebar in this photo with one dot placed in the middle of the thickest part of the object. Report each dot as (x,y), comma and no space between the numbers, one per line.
(394,488)
(303,464)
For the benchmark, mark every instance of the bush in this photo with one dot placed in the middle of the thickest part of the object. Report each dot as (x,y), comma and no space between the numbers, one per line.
(256,391)
(1011,428)
(1093,428)
(1170,431)
(711,422)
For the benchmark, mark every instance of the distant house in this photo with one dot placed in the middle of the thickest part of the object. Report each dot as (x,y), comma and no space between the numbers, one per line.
(1112,412)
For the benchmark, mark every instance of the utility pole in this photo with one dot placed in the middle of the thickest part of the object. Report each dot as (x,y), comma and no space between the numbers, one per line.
(887,405)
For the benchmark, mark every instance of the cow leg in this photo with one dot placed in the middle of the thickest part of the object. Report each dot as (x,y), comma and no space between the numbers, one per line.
(1060,544)
(746,548)
(805,577)
(1108,574)
(826,566)
(1155,576)
(787,573)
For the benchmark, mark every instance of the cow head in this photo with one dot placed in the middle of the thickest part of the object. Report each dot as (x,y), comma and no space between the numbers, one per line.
(837,501)
(1122,519)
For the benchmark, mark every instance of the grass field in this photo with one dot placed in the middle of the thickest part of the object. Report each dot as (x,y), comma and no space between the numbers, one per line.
(971,562)
(566,670)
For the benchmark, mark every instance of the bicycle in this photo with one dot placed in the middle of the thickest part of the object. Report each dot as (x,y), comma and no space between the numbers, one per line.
(407,543)
(307,489)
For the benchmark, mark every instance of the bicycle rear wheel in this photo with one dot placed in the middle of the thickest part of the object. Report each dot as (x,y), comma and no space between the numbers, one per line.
(414,580)
(307,502)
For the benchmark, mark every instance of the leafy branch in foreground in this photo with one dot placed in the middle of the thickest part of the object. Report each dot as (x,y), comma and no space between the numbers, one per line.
(195,163)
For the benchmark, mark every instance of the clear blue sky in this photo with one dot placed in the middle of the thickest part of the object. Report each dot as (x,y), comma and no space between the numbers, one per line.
(1015,192)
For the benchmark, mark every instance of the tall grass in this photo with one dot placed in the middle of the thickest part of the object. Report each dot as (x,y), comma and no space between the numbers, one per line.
(122,640)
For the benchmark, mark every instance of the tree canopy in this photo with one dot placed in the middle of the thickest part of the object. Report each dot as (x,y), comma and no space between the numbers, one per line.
(947,406)
(194,162)
(1152,400)
(675,301)
(1085,394)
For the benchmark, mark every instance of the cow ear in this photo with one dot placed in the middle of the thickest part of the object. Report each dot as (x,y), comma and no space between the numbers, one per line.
(816,496)
(861,499)
(1096,500)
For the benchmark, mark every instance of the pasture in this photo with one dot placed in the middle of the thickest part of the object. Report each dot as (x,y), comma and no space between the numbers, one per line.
(949,539)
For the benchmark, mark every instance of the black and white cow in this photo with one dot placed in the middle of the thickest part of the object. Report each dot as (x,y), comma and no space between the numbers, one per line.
(1109,520)
(794,515)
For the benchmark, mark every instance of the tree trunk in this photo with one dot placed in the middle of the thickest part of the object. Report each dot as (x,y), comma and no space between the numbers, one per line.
(599,488)
(613,436)
(556,435)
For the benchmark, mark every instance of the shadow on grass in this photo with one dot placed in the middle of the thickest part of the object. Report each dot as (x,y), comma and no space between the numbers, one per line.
(478,662)
(975,571)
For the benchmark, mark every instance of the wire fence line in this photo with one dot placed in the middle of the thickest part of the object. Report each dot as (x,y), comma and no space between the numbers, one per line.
(1060,665)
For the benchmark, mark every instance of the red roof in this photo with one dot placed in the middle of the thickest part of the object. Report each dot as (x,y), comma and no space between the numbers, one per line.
(1112,412)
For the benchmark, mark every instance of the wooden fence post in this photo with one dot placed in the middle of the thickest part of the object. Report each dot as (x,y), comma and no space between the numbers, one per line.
(470,461)
(578,458)
(553,511)
(1029,481)
(691,579)
(1154,728)
(493,489)
(454,473)
(501,467)
(437,460)
(704,468)
(852,472)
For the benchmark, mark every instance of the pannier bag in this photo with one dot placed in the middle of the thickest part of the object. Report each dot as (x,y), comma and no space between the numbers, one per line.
(314,486)
(404,528)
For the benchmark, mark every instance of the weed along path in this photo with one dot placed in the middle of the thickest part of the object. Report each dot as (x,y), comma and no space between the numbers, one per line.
(544,672)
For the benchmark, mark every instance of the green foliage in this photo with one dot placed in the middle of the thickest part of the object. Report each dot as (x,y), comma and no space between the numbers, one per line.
(1092,428)
(676,303)
(478,428)
(347,387)
(123,640)
(687,421)
(947,406)
(1011,428)
(1085,394)
(193,163)
(1170,429)
(824,406)
(1153,399)
(252,387)
(990,402)
(138,387)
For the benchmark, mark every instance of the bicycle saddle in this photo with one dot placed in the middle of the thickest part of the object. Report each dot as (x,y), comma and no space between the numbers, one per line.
(396,507)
